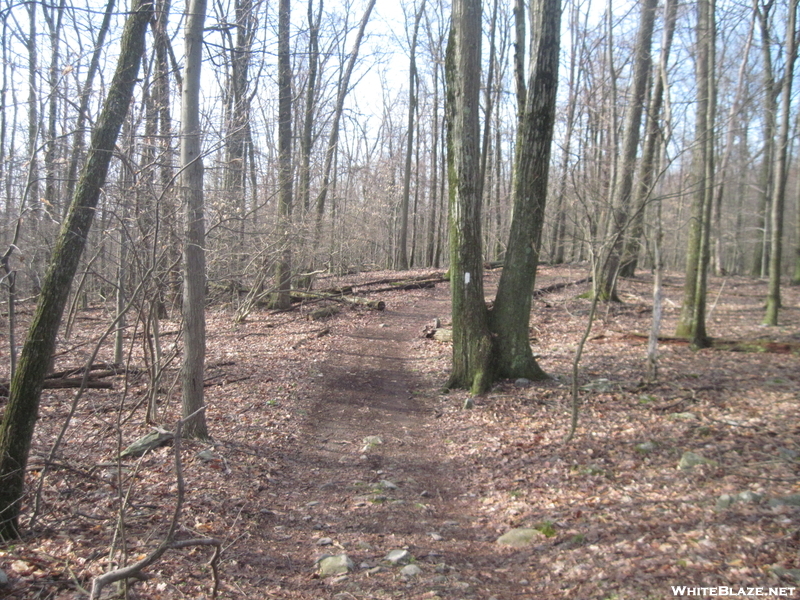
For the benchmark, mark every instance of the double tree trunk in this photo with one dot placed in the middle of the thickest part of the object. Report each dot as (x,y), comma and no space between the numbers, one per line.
(488,346)
(22,410)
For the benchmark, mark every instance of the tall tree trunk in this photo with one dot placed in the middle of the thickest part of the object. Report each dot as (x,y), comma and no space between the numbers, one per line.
(472,342)
(769,109)
(692,318)
(434,170)
(607,288)
(781,162)
(16,431)
(194,260)
(559,224)
(307,137)
(730,138)
(283,269)
(654,139)
(510,317)
(413,81)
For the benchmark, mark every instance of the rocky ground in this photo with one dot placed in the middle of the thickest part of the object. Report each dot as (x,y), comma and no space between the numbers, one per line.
(336,449)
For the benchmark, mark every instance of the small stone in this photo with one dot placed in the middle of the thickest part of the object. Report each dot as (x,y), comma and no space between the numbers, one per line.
(410,571)
(645,447)
(3,578)
(435,536)
(519,538)
(749,497)
(725,501)
(790,500)
(207,455)
(398,557)
(325,541)
(364,565)
(312,503)
(335,565)
(387,485)
(370,442)
(788,573)
(469,403)
(689,460)
(375,570)
(683,416)
(522,382)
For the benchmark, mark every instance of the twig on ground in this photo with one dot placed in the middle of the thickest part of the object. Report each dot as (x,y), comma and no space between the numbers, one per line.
(135,570)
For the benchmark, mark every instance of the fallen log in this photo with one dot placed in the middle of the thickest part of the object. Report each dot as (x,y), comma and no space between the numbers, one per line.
(558,286)
(59,384)
(768,346)
(432,277)
(404,285)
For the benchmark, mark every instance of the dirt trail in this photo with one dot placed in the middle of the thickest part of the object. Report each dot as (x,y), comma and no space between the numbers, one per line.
(372,385)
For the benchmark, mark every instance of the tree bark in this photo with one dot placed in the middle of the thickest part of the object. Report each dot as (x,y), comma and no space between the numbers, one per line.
(413,81)
(607,288)
(472,342)
(191,187)
(692,318)
(781,162)
(654,138)
(283,269)
(509,319)
(16,431)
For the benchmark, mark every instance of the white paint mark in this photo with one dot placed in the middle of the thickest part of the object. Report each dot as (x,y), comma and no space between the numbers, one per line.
(466,278)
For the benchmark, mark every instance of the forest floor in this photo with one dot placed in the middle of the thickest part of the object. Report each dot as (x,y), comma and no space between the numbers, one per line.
(335,437)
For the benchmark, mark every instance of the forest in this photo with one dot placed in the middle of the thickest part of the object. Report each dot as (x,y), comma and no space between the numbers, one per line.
(287,283)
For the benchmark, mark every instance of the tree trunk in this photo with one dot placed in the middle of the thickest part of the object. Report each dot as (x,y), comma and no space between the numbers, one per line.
(779,185)
(22,409)
(769,109)
(607,288)
(307,137)
(509,320)
(283,269)
(194,265)
(413,81)
(692,318)
(472,342)
(654,139)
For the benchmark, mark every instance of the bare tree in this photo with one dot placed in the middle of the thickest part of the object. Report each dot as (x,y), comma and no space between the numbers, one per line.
(781,162)
(16,431)
(194,265)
